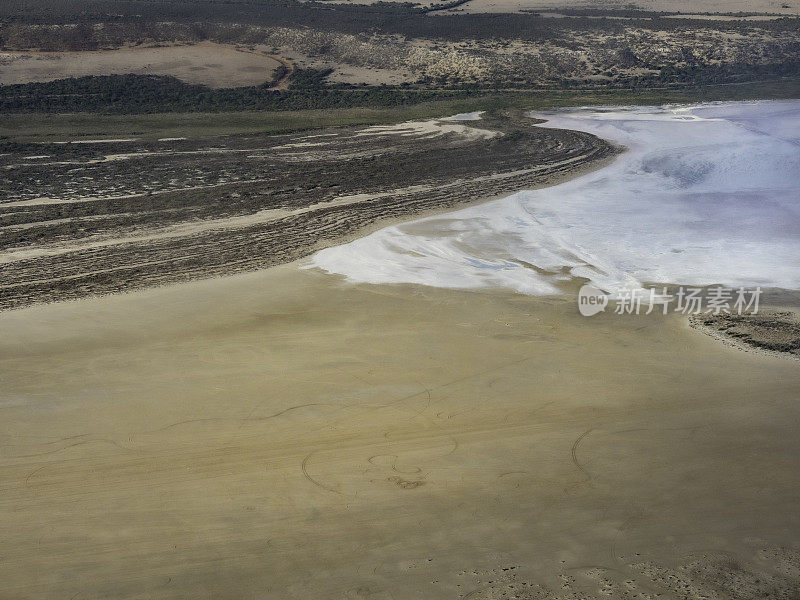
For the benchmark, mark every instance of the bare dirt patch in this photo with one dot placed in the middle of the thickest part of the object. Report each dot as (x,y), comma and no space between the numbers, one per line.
(214,65)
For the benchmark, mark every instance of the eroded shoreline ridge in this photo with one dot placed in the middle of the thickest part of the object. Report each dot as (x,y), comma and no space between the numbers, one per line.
(773,331)
(106,216)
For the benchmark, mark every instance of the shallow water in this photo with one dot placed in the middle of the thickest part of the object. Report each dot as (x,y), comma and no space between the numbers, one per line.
(706,194)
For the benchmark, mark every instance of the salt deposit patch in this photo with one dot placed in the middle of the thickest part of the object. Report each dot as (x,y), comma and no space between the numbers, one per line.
(706,194)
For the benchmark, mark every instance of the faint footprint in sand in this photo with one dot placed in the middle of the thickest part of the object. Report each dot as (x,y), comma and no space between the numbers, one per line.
(407,484)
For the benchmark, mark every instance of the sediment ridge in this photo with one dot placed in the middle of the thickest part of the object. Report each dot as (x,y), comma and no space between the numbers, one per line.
(106,216)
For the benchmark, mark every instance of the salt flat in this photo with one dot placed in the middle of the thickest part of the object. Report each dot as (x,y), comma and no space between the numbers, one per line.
(706,194)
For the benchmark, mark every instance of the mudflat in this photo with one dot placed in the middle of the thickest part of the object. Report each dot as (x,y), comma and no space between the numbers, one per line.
(284,434)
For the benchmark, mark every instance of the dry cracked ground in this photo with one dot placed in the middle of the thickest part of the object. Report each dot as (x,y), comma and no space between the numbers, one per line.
(97,217)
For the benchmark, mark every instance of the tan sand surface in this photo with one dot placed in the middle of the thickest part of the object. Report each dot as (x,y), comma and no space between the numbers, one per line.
(215,65)
(284,435)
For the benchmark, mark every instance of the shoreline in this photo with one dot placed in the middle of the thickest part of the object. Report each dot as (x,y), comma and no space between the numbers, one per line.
(555,179)
(623,225)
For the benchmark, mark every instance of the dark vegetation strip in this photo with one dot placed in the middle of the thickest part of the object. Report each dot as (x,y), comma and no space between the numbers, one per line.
(154,93)
(144,94)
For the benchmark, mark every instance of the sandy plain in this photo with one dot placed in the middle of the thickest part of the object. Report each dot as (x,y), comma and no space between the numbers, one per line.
(206,63)
(284,434)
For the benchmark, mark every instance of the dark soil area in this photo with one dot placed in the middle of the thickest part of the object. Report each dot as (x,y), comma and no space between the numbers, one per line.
(97,218)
